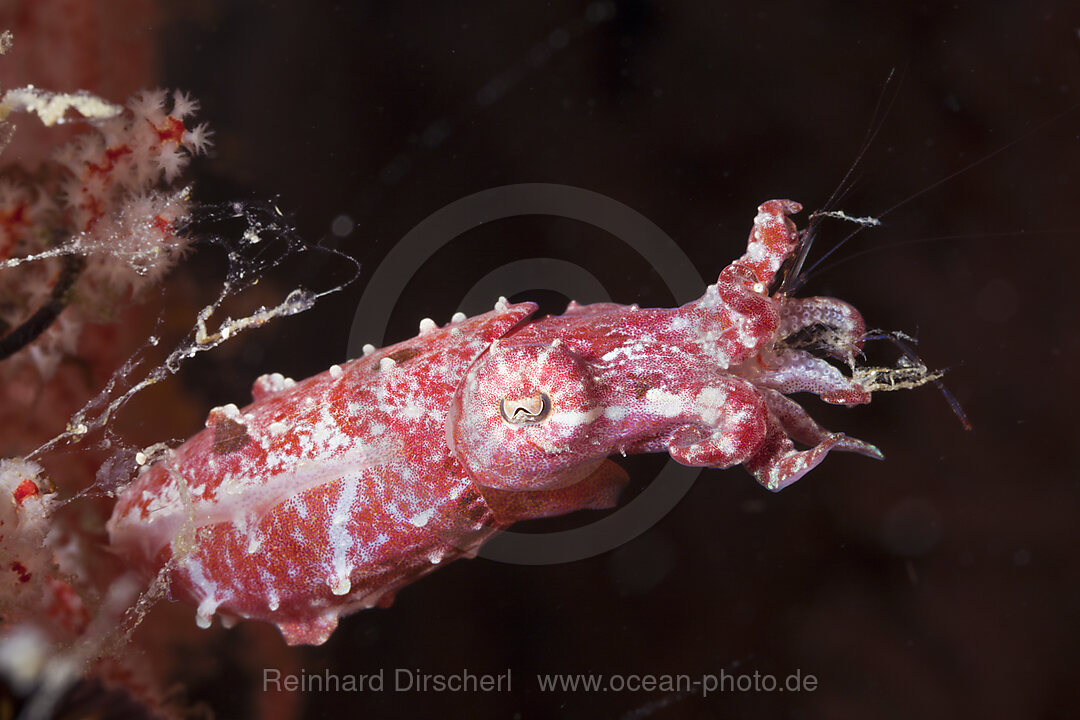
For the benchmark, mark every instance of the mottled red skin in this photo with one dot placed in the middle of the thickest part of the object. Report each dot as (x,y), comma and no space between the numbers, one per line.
(326,496)
(366,442)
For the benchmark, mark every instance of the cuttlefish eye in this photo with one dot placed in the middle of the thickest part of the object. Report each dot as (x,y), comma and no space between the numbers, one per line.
(525,411)
(523,418)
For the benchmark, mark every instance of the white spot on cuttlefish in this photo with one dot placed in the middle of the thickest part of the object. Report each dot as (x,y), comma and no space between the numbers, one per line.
(663,402)
(204,616)
(421,519)
(228,412)
(340,584)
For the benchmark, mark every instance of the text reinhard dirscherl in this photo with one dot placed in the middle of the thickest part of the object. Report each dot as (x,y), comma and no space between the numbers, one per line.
(401,680)
(414,680)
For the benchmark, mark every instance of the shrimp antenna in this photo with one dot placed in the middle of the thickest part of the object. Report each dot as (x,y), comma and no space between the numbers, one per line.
(801,280)
(793,278)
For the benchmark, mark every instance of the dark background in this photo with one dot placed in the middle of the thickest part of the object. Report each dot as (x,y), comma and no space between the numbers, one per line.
(941,582)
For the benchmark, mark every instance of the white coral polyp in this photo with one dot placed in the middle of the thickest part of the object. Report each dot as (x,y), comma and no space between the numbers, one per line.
(124,225)
(140,234)
(106,199)
(25,521)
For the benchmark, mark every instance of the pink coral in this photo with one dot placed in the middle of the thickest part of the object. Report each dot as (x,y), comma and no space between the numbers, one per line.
(97,226)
